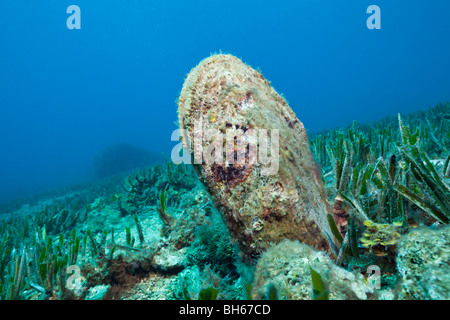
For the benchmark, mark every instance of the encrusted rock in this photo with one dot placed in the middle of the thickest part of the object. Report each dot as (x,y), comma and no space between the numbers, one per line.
(423,261)
(169,260)
(264,196)
(97,292)
(286,266)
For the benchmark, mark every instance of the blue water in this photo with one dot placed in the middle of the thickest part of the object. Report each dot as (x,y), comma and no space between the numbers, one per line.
(66,94)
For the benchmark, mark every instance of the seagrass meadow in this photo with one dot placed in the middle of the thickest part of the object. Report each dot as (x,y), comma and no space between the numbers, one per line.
(155,233)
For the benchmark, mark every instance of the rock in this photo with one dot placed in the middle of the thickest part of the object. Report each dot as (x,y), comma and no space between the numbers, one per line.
(286,266)
(170,260)
(97,292)
(155,287)
(189,281)
(423,262)
(263,198)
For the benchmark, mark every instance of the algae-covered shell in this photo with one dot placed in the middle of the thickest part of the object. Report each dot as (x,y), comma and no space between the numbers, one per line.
(280,189)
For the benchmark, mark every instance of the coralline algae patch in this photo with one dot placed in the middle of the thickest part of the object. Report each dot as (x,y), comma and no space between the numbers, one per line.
(263,199)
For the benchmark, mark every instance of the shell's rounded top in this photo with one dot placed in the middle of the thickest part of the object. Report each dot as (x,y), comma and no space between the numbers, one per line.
(218,59)
(215,72)
(222,83)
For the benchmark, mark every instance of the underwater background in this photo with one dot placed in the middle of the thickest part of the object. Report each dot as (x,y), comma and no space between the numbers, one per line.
(81,109)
